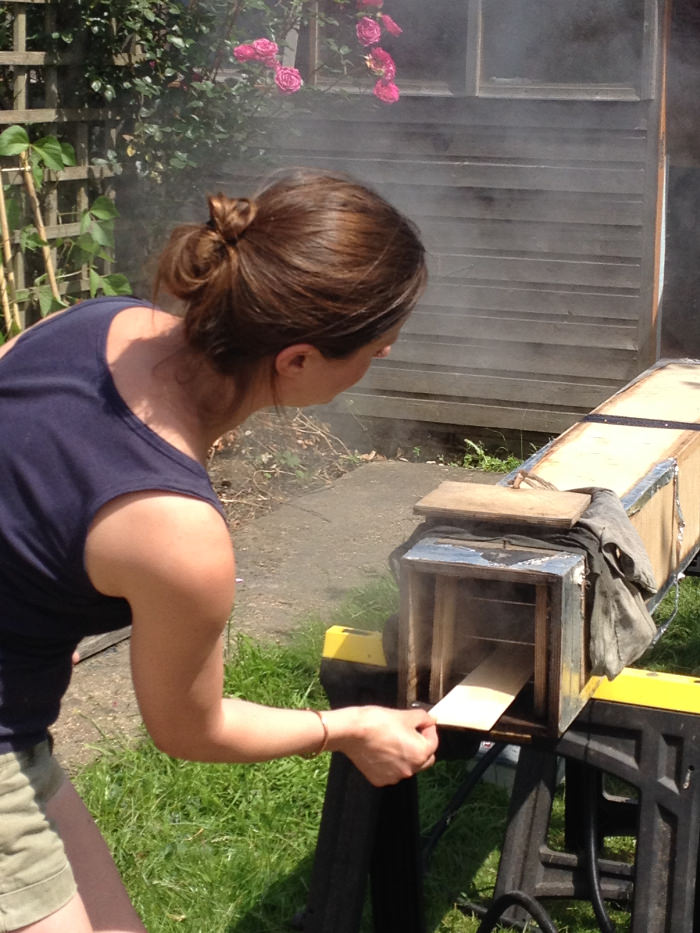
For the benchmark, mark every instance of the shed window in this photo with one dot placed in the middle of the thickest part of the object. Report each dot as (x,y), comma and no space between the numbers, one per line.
(430,53)
(549,48)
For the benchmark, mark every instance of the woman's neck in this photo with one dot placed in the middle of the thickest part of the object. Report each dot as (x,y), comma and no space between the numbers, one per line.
(169,387)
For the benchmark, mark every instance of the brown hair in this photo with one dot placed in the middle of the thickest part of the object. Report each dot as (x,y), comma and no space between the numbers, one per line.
(312,258)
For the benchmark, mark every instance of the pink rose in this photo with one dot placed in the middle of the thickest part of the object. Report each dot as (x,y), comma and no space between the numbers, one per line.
(381,63)
(386,91)
(390,25)
(266,51)
(245,53)
(362,4)
(368,31)
(288,80)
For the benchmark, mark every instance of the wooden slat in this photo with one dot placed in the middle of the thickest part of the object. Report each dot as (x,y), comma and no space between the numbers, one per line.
(486,414)
(440,139)
(468,323)
(542,654)
(473,174)
(482,697)
(546,299)
(56,115)
(27,59)
(609,367)
(420,200)
(476,502)
(481,385)
(574,239)
(443,631)
(480,113)
(547,270)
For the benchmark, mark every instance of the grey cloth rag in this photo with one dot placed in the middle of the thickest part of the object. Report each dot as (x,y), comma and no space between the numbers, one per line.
(621,625)
(619,576)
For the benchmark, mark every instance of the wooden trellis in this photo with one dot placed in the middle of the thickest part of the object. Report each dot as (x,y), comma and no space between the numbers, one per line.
(35,89)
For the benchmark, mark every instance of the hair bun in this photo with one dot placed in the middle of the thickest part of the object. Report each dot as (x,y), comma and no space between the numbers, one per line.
(230,217)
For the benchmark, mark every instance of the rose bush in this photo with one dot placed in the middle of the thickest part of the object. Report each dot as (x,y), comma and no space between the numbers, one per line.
(288,80)
(368,31)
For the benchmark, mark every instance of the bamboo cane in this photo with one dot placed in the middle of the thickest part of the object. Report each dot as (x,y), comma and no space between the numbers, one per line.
(41,229)
(7,281)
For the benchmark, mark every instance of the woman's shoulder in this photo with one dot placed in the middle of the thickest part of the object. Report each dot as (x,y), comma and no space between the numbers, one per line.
(154,539)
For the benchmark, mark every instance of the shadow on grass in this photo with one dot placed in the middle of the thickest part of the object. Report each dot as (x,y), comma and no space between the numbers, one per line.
(462,867)
(280,906)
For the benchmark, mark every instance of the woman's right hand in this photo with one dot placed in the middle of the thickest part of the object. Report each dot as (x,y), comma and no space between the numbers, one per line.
(386,745)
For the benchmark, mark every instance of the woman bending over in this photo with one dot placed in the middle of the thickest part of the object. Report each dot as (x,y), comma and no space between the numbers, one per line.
(107,516)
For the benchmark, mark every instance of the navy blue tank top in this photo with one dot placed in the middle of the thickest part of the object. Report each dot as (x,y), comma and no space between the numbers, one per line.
(68,445)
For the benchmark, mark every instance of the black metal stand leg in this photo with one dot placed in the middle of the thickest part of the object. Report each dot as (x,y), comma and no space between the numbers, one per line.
(397,882)
(343,852)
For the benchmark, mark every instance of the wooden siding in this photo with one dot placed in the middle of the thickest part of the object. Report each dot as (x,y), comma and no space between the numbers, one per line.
(539,218)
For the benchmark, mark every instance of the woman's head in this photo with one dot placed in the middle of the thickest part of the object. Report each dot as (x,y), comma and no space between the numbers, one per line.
(312,258)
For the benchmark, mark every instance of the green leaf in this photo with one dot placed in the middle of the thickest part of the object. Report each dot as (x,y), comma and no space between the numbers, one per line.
(49,151)
(47,302)
(13,140)
(87,244)
(30,239)
(68,154)
(101,234)
(103,208)
(116,284)
(96,282)
(13,213)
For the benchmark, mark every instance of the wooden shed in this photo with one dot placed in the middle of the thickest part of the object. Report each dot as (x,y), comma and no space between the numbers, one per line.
(529,146)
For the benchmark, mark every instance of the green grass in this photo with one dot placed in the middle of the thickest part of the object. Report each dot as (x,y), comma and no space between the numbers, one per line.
(678,650)
(229,848)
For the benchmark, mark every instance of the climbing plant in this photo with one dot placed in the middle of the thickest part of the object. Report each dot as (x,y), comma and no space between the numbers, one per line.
(66,258)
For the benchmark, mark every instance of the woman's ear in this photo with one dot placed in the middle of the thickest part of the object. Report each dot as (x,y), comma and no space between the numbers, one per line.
(295,361)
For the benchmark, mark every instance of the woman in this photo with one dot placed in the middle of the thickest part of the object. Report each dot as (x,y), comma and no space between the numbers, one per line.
(107,516)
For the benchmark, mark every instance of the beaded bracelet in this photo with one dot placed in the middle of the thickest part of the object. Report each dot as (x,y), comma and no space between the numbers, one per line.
(324,742)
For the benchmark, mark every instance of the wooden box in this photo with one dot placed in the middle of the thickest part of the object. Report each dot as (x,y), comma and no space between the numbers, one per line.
(505,622)
(495,637)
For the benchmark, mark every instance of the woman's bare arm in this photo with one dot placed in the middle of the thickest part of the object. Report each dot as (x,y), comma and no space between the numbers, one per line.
(171,558)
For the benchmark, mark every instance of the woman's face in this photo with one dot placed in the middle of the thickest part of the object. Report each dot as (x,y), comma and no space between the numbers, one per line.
(325,378)
(342,374)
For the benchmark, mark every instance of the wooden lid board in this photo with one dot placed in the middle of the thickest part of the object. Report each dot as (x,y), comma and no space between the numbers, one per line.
(504,504)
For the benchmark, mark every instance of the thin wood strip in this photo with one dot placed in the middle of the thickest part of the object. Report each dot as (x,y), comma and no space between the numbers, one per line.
(444,618)
(38,220)
(541,650)
(482,697)
(8,280)
(56,115)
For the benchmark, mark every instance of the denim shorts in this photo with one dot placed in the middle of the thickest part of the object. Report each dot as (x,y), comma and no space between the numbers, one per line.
(35,876)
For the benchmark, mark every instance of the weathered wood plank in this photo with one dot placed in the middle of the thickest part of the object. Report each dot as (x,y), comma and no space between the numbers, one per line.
(28,59)
(575,239)
(547,145)
(611,366)
(485,503)
(56,115)
(480,113)
(428,321)
(467,173)
(545,299)
(536,390)
(483,414)
(546,270)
